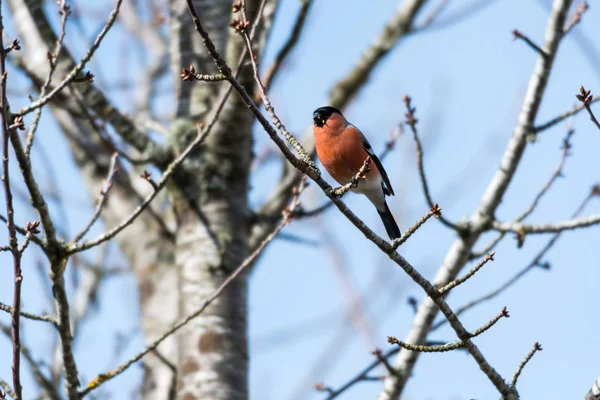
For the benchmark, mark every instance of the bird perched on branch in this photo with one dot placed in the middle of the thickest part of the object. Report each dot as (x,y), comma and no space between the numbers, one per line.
(343,149)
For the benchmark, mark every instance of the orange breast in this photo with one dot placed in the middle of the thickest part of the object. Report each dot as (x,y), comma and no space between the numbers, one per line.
(341,152)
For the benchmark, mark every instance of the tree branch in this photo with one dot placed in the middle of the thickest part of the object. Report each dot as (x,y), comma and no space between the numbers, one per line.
(536,347)
(12,231)
(302,166)
(287,48)
(536,262)
(411,120)
(594,392)
(461,248)
(74,73)
(102,378)
(448,346)
(554,227)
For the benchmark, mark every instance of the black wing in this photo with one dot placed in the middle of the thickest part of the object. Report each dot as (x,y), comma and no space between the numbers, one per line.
(387,187)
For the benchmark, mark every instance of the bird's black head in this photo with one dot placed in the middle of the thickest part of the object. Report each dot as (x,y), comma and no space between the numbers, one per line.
(322,114)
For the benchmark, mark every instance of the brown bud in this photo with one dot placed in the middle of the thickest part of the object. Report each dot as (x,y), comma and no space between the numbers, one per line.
(32,227)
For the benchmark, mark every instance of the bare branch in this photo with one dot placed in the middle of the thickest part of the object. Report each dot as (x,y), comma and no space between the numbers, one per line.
(580,9)
(362,375)
(518,35)
(554,227)
(302,166)
(562,117)
(12,230)
(558,172)
(39,377)
(158,186)
(465,277)
(53,61)
(411,120)
(102,378)
(536,262)
(396,28)
(448,346)
(287,48)
(480,219)
(536,347)
(435,211)
(75,72)
(112,169)
(35,317)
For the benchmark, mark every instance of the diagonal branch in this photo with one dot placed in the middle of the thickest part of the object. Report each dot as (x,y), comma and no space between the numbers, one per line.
(536,262)
(411,120)
(536,347)
(287,48)
(460,250)
(75,72)
(343,92)
(65,11)
(314,175)
(102,378)
(447,346)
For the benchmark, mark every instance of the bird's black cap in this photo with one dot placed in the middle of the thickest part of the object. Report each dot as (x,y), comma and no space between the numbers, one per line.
(322,114)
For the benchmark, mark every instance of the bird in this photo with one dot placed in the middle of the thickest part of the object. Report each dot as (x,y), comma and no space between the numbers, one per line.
(342,149)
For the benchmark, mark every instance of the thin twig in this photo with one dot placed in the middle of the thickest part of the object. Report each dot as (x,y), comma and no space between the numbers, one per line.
(379,354)
(39,377)
(435,211)
(518,35)
(465,277)
(287,48)
(100,379)
(65,11)
(361,376)
(12,231)
(106,186)
(536,347)
(46,318)
(580,9)
(411,121)
(74,73)
(448,346)
(562,117)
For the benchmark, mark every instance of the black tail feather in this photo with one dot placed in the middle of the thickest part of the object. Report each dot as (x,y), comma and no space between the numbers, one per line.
(390,224)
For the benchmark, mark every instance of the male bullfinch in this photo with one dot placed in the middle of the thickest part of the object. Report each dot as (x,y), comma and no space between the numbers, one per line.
(343,149)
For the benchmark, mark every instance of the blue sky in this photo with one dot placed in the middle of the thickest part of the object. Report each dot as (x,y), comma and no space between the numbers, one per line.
(467,81)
